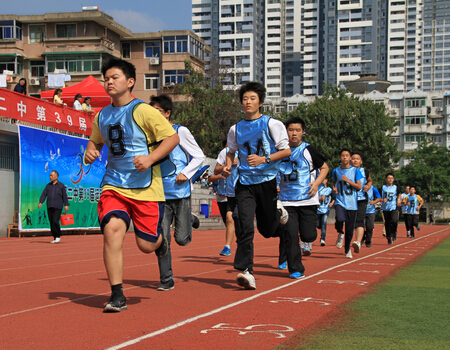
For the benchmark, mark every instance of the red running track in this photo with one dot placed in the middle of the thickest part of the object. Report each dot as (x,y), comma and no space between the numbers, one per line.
(52,294)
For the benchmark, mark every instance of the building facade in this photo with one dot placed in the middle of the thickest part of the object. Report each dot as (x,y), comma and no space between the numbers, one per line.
(79,42)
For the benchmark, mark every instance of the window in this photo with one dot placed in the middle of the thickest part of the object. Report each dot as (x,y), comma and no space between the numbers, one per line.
(151,82)
(152,49)
(395,103)
(413,138)
(37,69)
(416,102)
(126,50)
(8,157)
(11,30)
(66,30)
(415,120)
(437,103)
(437,121)
(172,77)
(75,64)
(175,44)
(36,33)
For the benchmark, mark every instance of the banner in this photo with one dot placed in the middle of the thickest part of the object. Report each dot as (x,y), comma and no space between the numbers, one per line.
(40,153)
(34,110)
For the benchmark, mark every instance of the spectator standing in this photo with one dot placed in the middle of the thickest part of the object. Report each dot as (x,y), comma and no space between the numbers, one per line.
(55,193)
(77,102)
(21,86)
(57,97)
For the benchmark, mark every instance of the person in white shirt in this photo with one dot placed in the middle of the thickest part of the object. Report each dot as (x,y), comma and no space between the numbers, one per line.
(185,159)
(77,102)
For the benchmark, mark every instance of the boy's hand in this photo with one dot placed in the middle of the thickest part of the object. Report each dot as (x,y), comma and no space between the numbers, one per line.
(91,155)
(366,187)
(335,190)
(142,163)
(255,160)
(344,178)
(226,171)
(181,178)
(313,190)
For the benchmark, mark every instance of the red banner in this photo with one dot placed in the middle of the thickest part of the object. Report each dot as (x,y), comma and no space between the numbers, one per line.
(34,110)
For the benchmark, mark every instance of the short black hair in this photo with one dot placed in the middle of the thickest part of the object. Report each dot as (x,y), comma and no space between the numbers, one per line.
(392,175)
(164,101)
(357,153)
(295,120)
(253,86)
(54,171)
(412,187)
(224,143)
(344,150)
(77,96)
(126,67)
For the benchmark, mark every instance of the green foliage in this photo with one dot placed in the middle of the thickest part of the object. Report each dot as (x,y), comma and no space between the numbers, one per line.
(428,170)
(337,120)
(210,111)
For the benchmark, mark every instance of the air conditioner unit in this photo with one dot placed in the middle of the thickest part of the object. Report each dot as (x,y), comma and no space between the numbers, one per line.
(154,61)
(35,81)
(439,109)
(439,127)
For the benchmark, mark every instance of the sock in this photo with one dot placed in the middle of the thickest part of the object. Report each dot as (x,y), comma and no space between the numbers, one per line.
(117,289)
(227,246)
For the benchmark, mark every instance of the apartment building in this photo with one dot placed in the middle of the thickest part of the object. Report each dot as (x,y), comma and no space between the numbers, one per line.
(34,46)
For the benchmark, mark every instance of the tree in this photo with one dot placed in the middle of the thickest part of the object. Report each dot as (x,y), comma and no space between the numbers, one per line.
(339,120)
(428,170)
(210,111)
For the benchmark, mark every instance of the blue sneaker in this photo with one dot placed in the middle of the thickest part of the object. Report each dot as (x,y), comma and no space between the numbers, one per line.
(297,275)
(282,266)
(225,251)
(418,228)
(306,252)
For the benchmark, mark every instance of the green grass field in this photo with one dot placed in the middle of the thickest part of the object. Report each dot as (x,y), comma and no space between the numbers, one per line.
(411,310)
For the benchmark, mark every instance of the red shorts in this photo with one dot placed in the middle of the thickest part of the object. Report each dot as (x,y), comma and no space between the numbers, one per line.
(147,216)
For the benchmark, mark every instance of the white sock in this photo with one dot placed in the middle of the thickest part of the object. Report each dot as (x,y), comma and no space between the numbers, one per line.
(227,246)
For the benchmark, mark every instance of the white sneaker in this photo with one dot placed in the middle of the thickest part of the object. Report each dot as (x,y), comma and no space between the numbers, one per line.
(340,240)
(349,255)
(356,246)
(322,242)
(56,240)
(284,214)
(246,279)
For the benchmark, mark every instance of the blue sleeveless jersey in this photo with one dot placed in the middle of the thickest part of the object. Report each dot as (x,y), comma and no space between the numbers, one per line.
(347,195)
(295,175)
(371,197)
(125,140)
(222,187)
(324,206)
(389,192)
(413,204)
(180,159)
(232,179)
(361,193)
(253,137)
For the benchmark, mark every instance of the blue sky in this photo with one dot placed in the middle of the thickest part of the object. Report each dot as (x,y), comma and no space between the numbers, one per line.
(140,16)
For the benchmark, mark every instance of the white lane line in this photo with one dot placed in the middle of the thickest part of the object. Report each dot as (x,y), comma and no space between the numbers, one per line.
(212,312)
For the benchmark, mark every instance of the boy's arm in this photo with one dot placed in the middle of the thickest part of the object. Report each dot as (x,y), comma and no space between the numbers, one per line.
(189,145)
(315,184)
(142,163)
(369,184)
(213,178)
(356,185)
(92,152)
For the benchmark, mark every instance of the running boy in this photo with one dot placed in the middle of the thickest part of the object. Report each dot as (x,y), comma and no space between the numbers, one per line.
(405,211)
(366,183)
(262,143)
(346,183)
(369,221)
(300,180)
(132,186)
(186,157)
(326,199)
(389,204)
(414,203)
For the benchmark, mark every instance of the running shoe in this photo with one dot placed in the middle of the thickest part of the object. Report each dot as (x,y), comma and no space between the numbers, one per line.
(282,266)
(296,275)
(246,279)
(116,303)
(284,214)
(349,255)
(225,251)
(368,245)
(322,242)
(418,228)
(389,241)
(56,240)
(306,252)
(166,285)
(340,240)
(356,246)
